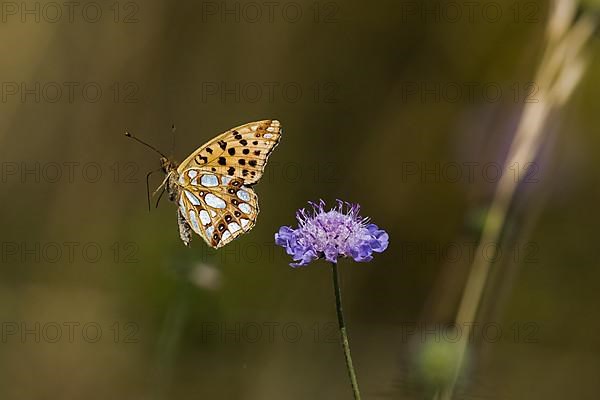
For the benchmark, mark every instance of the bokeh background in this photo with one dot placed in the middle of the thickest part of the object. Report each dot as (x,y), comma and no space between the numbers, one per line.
(380,103)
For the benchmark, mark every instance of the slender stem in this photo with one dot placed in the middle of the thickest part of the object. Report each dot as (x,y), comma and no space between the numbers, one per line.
(343,333)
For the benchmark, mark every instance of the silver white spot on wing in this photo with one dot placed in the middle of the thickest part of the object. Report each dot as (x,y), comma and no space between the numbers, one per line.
(193,199)
(225,236)
(234,227)
(225,180)
(244,222)
(194,221)
(192,173)
(213,213)
(209,231)
(243,195)
(181,180)
(214,201)
(267,136)
(204,217)
(209,180)
(244,207)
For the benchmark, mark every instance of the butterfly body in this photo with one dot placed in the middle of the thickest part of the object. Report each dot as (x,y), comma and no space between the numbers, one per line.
(213,186)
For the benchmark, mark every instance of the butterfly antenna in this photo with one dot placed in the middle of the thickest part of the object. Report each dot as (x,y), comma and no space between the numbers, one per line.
(144,143)
(173,129)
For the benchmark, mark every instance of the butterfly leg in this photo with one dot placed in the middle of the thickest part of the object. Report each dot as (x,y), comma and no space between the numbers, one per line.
(185,231)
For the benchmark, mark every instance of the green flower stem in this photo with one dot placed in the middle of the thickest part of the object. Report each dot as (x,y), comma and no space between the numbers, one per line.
(343,333)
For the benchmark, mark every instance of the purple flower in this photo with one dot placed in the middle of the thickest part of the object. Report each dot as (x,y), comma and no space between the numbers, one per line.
(331,234)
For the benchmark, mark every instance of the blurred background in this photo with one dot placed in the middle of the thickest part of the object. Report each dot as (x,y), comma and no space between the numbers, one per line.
(408,108)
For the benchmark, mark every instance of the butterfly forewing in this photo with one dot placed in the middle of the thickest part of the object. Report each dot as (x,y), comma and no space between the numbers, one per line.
(213,196)
(241,152)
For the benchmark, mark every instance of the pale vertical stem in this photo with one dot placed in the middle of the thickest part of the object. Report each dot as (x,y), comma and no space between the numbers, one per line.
(559,71)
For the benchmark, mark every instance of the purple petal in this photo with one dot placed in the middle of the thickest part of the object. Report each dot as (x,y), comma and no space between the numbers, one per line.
(337,232)
(304,259)
(331,254)
(285,235)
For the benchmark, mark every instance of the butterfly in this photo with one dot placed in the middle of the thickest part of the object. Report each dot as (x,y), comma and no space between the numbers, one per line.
(213,186)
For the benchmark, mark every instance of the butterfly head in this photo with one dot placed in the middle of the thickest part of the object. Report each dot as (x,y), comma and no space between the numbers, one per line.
(167,166)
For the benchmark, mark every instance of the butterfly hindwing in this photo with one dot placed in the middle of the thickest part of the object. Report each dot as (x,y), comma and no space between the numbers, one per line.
(217,207)
(241,152)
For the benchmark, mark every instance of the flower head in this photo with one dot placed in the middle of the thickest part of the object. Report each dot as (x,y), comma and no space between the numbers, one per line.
(339,232)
